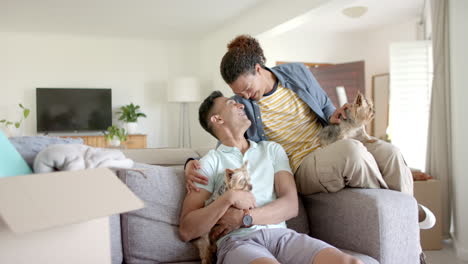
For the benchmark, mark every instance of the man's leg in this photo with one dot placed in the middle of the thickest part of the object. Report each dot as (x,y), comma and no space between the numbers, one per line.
(343,163)
(333,255)
(392,166)
(292,247)
(248,249)
(265,261)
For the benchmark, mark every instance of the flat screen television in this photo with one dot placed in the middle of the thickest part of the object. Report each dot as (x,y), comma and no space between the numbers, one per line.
(73,110)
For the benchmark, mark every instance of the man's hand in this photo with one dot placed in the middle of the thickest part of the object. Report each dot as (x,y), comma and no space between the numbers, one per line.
(241,199)
(340,112)
(192,176)
(230,221)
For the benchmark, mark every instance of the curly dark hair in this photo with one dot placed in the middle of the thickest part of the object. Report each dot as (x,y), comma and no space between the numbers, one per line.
(244,52)
(204,111)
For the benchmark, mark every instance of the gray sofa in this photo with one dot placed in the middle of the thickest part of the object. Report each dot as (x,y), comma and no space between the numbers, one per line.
(377,226)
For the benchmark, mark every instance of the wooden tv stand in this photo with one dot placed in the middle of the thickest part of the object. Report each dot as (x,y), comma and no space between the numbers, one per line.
(135,141)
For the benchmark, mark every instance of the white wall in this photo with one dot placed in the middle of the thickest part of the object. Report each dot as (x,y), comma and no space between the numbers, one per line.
(377,55)
(321,47)
(459,83)
(253,21)
(295,46)
(333,47)
(138,71)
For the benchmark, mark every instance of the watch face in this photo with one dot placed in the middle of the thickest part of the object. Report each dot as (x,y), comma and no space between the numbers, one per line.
(247,220)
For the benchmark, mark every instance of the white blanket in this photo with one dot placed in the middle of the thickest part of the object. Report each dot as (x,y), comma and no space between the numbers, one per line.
(67,157)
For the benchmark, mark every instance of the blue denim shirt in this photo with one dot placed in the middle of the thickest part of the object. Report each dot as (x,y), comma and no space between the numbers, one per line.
(297,77)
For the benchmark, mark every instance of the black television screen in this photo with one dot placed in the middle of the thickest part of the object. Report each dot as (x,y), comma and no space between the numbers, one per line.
(66,110)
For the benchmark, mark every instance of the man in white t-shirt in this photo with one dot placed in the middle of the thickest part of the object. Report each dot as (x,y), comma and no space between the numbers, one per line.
(254,229)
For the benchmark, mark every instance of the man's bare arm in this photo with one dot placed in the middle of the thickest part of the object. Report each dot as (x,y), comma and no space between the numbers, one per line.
(285,207)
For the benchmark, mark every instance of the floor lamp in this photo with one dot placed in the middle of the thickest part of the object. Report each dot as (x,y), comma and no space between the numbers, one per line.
(184,90)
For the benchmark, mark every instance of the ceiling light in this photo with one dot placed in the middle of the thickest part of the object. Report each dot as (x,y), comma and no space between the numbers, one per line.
(354,11)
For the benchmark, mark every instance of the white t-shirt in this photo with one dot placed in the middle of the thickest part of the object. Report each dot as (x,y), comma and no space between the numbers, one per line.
(265,159)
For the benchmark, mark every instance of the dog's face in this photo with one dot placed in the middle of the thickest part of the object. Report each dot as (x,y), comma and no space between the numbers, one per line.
(361,110)
(238,179)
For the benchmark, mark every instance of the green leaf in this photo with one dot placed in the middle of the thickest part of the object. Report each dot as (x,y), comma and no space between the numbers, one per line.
(129,113)
(26,113)
(2,121)
(17,124)
(20,105)
(9,123)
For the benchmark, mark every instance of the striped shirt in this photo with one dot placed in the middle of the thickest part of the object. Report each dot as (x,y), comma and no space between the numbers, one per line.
(290,122)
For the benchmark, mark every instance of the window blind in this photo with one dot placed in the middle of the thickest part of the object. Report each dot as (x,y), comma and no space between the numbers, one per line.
(411,72)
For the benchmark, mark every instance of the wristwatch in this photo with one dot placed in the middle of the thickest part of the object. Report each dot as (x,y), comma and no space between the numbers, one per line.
(247,220)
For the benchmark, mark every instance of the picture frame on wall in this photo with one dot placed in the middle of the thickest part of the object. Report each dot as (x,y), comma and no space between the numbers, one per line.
(381,98)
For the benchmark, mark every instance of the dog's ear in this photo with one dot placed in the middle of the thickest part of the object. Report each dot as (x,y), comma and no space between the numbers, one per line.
(229,173)
(359,99)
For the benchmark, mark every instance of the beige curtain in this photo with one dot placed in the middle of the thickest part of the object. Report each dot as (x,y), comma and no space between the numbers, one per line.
(439,138)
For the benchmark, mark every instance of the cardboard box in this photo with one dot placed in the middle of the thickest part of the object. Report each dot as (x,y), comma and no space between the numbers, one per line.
(428,194)
(61,217)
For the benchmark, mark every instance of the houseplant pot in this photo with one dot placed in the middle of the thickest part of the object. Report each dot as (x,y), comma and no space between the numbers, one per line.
(131,127)
(115,136)
(114,142)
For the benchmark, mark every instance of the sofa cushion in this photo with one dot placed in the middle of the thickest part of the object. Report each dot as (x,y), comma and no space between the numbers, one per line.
(150,235)
(11,162)
(300,223)
(30,146)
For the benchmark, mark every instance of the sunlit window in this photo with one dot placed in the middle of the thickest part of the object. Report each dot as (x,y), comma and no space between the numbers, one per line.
(411,72)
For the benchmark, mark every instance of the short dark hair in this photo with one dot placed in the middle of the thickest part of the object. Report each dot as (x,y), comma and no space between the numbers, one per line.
(204,111)
(244,52)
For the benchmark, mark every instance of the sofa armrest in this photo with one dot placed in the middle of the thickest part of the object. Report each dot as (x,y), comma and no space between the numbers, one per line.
(379,223)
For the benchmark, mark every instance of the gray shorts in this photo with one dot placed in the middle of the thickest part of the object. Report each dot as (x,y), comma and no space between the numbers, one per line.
(282,244)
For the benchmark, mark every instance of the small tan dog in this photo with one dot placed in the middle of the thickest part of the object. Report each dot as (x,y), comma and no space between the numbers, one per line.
(359,113)
(237,179)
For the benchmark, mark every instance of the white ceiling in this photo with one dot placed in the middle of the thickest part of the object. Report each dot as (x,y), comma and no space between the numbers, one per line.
(379,13)
(329,17)
(160,19)
(181,19)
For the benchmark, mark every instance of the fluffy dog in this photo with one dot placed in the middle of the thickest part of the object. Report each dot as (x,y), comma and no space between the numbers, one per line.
(237,179)
(359,113)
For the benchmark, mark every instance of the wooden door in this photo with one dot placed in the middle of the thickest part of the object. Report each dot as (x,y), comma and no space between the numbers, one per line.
(349,75)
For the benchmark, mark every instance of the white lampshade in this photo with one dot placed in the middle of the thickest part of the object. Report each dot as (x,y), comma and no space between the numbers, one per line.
(184,89)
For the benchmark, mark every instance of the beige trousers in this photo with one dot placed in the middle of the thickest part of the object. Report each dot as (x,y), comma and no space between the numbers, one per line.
(351,163)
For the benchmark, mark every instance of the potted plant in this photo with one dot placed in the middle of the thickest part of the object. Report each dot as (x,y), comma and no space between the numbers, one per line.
(12,126)
(130,114)
(115,135)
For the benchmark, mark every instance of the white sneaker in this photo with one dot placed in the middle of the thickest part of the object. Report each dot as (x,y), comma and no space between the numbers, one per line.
(429,221)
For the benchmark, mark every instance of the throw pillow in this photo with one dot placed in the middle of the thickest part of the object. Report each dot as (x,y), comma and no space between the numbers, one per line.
(30,146)
(11,162)
(150,235)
